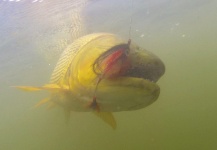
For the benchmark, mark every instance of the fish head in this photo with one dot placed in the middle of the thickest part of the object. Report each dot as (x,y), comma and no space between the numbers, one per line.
(134,89)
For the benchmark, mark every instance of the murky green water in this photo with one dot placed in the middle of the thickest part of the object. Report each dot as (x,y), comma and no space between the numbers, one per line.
(182,33)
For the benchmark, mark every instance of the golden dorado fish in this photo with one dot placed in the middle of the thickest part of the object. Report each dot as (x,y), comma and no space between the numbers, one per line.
(101,73)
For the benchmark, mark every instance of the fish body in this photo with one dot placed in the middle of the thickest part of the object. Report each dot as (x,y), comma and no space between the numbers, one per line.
(102,73)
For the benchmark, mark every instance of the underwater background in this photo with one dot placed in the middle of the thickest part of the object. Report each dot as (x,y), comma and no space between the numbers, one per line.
(33,33)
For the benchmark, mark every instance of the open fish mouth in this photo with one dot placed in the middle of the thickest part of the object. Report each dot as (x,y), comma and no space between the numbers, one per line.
(145,65)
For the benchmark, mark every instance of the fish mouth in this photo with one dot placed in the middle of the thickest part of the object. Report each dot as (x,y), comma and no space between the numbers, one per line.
(145,64)
(135,89)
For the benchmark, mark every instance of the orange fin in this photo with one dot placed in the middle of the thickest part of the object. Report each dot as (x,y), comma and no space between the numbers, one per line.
(107,117)
(28,88)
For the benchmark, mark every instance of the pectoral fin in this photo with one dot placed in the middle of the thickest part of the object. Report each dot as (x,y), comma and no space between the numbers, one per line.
(107,117)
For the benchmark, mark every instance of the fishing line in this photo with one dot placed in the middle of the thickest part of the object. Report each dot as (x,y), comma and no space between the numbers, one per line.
(131,20)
